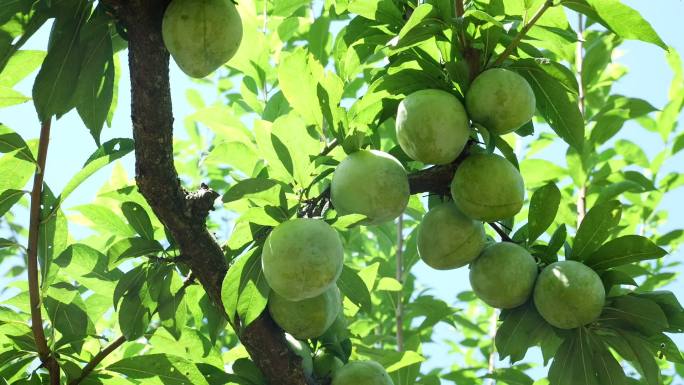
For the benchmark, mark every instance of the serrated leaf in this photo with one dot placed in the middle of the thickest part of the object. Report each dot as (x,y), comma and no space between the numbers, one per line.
(596,227)
(624,250)
(138,219)
(543,208)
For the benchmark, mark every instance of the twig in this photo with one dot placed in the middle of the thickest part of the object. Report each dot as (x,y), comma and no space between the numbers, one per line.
(501,232)
(399,311)
(511,47)
(460,9)
(32,258)
(97,359)
(492,354)
(329,147)
(579,66)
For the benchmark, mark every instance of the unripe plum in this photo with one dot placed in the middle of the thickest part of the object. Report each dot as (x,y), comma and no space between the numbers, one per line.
(362,373)
(308,318)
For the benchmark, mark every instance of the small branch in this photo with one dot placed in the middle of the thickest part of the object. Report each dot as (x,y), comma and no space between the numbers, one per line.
(491,366)
(32,258)
(579,66)
(329,147)
(399,311)
(460,9)
(511,47)
(97,359)
(501,232)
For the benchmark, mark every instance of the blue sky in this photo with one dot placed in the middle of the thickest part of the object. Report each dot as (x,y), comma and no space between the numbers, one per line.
(649,78)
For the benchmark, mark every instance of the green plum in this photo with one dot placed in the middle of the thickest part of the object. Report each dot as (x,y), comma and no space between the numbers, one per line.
(503,275)
(501,100)
(448,239)
(487,187)
(362,373)
(325,364)
(308,318)
(432,126)
(201,35)
(302,258)
(372,183)
(569,294)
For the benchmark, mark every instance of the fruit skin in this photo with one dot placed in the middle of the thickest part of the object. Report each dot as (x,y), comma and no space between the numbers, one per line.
(308,318)
(487,187)
(201,35)
(302,258)
(303,350)
(372,183)
(569,294)
(503,275)
(448,239)
(501,100)
(325,364)
(362,373)
(432,126)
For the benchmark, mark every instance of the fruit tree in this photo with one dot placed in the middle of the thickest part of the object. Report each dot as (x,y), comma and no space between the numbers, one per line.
(333,167)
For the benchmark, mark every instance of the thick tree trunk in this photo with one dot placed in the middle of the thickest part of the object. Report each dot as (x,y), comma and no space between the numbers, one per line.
(184,213)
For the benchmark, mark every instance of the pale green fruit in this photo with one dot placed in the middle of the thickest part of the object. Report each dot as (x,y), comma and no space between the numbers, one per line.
(302,258)
(362,373)
(488,188)
(501,100)
(503,275)
(308,318)
(448,239)
(338,331)
(201,35)
(303,350)
(432,126)
(325,364)
(569,294)
(372,183)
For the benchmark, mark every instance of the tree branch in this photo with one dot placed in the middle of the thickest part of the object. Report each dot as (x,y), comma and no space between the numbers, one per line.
(44,352)
(504,237)
(511,47)
(179,211)
(97,359)
(579,66)
(399,311)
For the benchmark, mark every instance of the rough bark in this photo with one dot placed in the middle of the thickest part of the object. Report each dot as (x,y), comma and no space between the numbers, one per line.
(184,213)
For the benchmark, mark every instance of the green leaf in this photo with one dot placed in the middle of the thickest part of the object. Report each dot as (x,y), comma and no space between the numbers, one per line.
(6,243)
(382,11)
(234,279)
(539,171)
(253,291)
(607,368)
(105,154)
(624,250)
(670,306)
(422,25)
(521,329)
(298,80)
(635,349)
(66,311)
(554,103)
(130,283)
(625,21)
(629,312)
(237,155)
(134,317)
(169,369)
(95,88)
(132,247)
(20,65)
(510,376)
(353,287)
(89,267)
(104,219)
(249,187)
(614,113)
(10,97)
(10,141)
(573,363)
(53,88)
(138,219)
(8,198)
(543,208)
(596,227)
(632,153)
(53,234)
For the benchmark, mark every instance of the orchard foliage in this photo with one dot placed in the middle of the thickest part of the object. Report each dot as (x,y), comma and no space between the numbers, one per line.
(311,85)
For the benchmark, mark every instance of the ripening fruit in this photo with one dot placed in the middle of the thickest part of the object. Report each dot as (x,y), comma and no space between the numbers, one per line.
(503,275)
(325,364)
(487,187)
(569,294)
(302,258)
(432,126)
(338,331)
(308,318)
(447,239)
(372,183)
(303,350)
(201,35)
(362,373)
(501,100)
